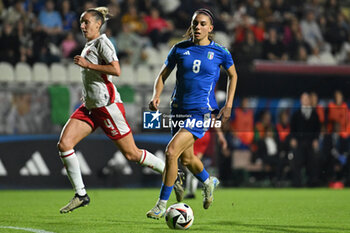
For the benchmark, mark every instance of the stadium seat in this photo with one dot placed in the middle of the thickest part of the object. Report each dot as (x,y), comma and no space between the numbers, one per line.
(164,51)
(144,75)
(153,58)
(127,75)
(41,73)
(74,73)
(23,72)
(6,72)
(58,73)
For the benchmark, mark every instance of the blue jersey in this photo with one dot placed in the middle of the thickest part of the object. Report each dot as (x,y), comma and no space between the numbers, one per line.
(198,70)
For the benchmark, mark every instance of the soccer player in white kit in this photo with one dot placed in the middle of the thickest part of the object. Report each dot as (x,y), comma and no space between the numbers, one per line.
(102,107)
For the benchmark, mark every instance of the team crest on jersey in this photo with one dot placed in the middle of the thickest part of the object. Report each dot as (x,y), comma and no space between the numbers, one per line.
(210,55)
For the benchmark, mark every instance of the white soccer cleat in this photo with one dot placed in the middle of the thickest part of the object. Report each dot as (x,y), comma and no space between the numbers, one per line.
(208,191)
(157,212)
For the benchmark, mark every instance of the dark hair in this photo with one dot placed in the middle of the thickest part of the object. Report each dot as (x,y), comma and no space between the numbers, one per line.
(206,12)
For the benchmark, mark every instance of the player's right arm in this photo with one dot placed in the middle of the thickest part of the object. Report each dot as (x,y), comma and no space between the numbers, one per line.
(158,87)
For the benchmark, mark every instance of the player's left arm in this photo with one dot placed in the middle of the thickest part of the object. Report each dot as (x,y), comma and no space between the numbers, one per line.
(113,68)
(225,112)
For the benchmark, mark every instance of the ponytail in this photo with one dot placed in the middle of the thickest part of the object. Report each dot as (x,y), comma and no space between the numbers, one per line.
(100,13)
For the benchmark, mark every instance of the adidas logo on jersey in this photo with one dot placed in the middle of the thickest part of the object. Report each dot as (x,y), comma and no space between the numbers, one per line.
(84,167)
(3,171)
(35,166)
(187,53)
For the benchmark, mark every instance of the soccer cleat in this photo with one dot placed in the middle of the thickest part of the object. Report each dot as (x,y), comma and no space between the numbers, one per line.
(157,212)
(208,192)
(76,202)
(178,188)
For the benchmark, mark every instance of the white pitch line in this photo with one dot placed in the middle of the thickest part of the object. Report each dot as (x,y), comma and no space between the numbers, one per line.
(26,229)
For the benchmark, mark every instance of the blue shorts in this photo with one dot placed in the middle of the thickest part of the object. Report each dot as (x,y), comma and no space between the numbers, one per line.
(193,122)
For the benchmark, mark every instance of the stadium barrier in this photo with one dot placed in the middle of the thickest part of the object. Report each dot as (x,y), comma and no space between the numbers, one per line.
(32,161)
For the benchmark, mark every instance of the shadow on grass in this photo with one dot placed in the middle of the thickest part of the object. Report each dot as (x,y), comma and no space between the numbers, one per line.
(284,228)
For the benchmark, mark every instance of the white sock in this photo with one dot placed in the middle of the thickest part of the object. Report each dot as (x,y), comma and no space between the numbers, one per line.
(191,183)
(207,181)
(150,160)
(162,202)
(71,163)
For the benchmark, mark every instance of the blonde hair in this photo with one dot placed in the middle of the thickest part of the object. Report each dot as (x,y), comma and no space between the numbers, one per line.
(100,13)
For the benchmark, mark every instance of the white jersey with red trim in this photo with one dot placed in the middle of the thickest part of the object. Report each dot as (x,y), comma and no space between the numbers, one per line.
(98,88)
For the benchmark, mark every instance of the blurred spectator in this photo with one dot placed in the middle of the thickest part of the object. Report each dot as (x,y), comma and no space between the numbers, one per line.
(343,57)
(337,32)
(9,44)
(315,7)
(321,57)
(263,125)
(69,17)
(248,50)
(337,113)
(302,55)
(305,129)
(50,19)
(130,47)
(283,131)
(268,153)
(273,48)
(319,108)
(335,151)
(89,5)
(14,13)
(265,13)
(134,21)
(297,44)
(283,126)
(110,36)
(311,30)
(20,119)
(242,28)
(115,22)
(281,10)
(26,43)
(259,30)
(157,28)
(332,9)
(68,45)
(242,126)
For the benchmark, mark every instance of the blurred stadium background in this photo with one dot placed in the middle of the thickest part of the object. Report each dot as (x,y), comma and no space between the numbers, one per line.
(281,49)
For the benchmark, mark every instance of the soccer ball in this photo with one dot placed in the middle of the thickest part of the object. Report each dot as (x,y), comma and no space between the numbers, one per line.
(179,216)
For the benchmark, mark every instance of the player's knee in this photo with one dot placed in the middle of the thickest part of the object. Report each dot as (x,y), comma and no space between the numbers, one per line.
(185,161)
(64,145)
(170,153)
(133,155)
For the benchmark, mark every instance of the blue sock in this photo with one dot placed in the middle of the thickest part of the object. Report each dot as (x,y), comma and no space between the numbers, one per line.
(165,192)
(202,176)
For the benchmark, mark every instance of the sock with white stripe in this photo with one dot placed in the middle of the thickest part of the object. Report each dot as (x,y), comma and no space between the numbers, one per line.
(150,160)
(71,163)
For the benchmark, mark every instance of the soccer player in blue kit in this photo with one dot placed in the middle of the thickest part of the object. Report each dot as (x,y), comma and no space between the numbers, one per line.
(198,62)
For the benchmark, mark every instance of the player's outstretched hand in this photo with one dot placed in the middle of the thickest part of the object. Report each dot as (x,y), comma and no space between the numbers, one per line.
(80,61)
(225,114)
(153,105)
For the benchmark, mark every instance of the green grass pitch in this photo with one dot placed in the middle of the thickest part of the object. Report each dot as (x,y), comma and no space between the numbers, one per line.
(234,210)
